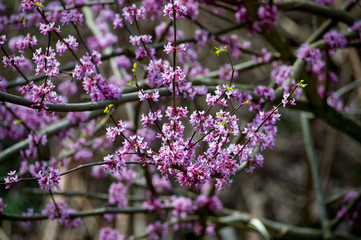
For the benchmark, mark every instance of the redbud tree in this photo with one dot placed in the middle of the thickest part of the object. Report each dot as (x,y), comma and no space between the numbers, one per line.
(144,119)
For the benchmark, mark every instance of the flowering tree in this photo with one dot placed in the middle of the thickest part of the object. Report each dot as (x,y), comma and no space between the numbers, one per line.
(151,102)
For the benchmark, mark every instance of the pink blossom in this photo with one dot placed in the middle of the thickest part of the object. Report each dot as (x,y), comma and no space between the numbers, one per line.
(180,10)
(118,21)
(72,15)
(50,180)
(118,194)
(46,28)
(61,212)
(11,179)
(2,205)
(133,13)
(157,230)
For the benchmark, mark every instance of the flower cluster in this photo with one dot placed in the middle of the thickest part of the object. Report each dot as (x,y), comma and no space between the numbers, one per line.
(50,180)
(109,233)
(175,6)
(169,48)
(133,13)
(61,211)
(69,42)
(157,230)
(268,16)
(26,42)
(112,132)
(356,27)
(335,40)
(41,95)
(2,205)
(118,194)
(13,61)
(310,55)
(72,15)
(46,28)
(28,5)
(350,215)
(46,62)
(11,179)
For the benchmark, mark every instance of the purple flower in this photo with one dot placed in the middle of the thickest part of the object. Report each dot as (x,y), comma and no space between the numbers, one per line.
(335,40)
(109,233)
(13,60)
(267,93)
(350,216)
(72,15)
(151,118)
(182,207)
(112,132)
(153,204)
(2,39)
(199,121)
(268,15)
(168,49)
(233,45)
(30,212)
(133,13)
(118,21)
(61,212)
(180,10)
(114,163)
(11,179)
(50,180)
(281,73)
(155,70)
(241,14)
(157,230)
(225,72)
(356,27)
(2,205)
(46,62)
(46,28)
(310,55)
(118,194)
(28,5)
(23,43)
(264,57)
(213,203)
(137,40)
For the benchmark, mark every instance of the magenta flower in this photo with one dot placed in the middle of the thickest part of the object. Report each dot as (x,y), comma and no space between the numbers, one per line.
(61,212)
(46,28)
(118,195)
(268,16)
(114,163)
(72,15)
(118,21)
(157,230)
(109,233)
(180,10)
(335,40)
(133,13)
(2,39)
(50,180)
(28,5)
(11,179)
(2,205)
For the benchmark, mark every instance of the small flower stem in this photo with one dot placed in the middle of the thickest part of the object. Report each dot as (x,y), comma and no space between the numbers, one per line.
(263,122)
(13,64)
(55,204)
(174,56)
